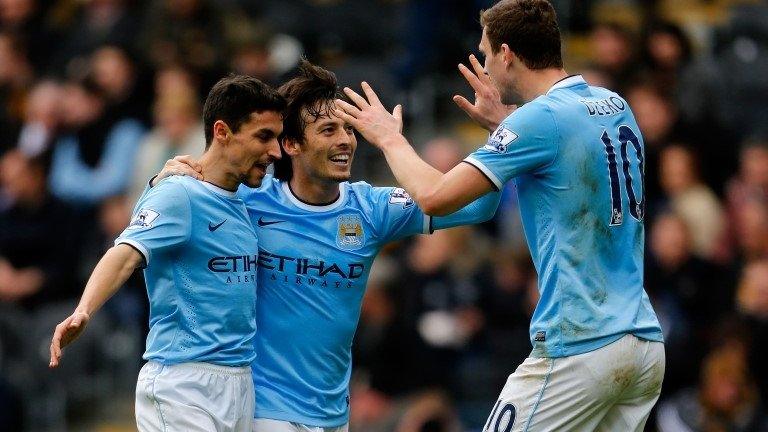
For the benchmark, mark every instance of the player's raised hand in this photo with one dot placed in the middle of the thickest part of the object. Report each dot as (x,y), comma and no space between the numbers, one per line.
(180,165)
(369,117)
(488,110)
(66,332)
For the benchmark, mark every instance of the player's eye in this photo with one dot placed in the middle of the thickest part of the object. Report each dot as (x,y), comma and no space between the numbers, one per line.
(349,129)
(263,137)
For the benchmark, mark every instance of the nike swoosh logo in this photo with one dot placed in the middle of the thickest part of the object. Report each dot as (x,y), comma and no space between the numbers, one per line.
(263,223)
(213,228)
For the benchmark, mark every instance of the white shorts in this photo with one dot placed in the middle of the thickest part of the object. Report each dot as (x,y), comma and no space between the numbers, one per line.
(269,425)
(194,397)
(610,389)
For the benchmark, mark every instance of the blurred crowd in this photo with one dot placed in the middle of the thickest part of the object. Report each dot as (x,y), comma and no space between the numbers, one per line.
(95,95)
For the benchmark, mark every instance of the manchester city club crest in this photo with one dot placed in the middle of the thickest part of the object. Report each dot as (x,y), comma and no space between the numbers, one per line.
(350,234)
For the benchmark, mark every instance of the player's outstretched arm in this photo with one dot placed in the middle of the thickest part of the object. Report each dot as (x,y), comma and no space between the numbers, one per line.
(437,194)
(488,110)
(478,211)
(179,165)
(114,268)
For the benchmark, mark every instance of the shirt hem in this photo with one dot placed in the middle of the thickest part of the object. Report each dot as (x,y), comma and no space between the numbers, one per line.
(295,418)
(583,348)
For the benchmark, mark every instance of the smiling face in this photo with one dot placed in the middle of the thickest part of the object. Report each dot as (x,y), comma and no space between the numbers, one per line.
(254,146)
(327,149)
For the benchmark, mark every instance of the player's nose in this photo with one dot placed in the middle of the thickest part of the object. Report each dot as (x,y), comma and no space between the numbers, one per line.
(273,150)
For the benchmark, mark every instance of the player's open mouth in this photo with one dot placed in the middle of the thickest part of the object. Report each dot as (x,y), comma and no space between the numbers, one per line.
(341,159)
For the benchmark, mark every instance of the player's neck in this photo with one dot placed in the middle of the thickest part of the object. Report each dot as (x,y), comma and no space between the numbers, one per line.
(217,171)
(538,82)
(314,191)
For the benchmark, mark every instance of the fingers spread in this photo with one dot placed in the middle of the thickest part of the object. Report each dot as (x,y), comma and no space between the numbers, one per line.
(346,117)
(471,78)
(347,107)
(479,69)
(464,104)
(373,99)
(356,98)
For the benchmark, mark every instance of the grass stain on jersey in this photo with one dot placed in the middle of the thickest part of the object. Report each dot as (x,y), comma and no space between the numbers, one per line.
(599,295)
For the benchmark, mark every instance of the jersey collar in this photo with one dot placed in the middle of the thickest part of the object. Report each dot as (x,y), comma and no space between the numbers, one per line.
(217,190)
(568,81)
(315,208)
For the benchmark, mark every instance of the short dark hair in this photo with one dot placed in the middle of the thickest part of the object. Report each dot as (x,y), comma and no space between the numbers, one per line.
(530,29)
(234,98)
(313,90)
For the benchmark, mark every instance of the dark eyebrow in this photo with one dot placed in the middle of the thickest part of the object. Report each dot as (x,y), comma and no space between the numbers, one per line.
(326,123)
(265,131)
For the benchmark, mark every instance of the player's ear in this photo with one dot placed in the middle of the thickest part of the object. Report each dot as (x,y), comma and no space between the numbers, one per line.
(221,131)
(508,56)
(291,146)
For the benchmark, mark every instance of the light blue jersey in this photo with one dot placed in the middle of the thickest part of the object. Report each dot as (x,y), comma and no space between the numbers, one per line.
(314,263)
(576,155)
(201,259)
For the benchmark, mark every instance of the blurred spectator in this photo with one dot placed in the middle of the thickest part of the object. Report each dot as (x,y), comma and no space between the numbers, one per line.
(252,58)
(42,118)
(37,235)
(746,196)
(692,200)
(386,393)
(127,92)
(92,24)
(655,112)
(752,296)
(387,350)
(657,117)
(751,182)
(94,159)
(666,52)
(506,299)
(751,229)
(26,19)
(752,304)
(726,399)
(595,77)
(740,78)
(189,31)
(16,75)
(688,294)
(175,79)
(613,54)
(178,131)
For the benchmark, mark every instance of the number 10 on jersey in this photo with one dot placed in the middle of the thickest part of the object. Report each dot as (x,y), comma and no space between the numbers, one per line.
(636,206)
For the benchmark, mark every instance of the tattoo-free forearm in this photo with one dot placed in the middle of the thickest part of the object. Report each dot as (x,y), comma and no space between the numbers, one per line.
(416,176)
(114,268)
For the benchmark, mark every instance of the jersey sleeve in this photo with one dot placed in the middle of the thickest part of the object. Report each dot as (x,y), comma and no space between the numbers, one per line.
(397,214)
(161,220)
(478,211)
(525,142)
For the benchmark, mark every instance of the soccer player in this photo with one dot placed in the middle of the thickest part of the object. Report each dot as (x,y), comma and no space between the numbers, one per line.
(318,236)
(576,156)
(200,255)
